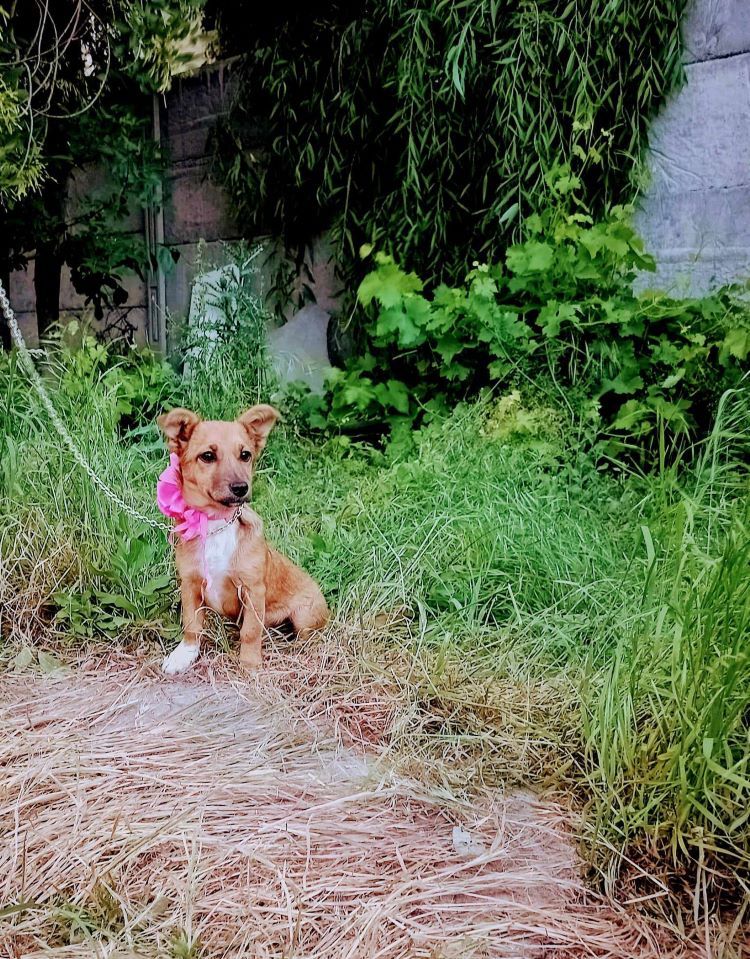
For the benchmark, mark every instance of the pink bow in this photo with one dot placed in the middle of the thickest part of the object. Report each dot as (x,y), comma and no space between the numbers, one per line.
(190,523)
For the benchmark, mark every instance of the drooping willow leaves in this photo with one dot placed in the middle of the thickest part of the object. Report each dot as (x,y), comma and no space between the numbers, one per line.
(430,127)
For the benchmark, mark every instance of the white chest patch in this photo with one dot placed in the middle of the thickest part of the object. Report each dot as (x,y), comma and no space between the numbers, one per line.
(219,550)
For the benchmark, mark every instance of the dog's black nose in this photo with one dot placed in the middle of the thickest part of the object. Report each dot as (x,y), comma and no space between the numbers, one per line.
(238,489)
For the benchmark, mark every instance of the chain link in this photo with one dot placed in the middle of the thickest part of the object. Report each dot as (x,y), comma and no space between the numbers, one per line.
(235,516)
(57,422)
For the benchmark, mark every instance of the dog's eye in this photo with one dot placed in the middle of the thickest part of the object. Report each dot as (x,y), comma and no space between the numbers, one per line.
(208,457)
(245,455)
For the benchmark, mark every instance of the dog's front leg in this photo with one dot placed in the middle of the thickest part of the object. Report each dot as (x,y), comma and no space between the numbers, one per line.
(186,653)
(251,629)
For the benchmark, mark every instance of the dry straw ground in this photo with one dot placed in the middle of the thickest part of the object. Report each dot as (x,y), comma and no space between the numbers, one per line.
(212,815)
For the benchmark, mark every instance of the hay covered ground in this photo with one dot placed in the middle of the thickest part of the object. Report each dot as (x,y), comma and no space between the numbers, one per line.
(216,815)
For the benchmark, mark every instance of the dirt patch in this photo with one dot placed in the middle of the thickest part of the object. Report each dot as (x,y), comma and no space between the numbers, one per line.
(211,815)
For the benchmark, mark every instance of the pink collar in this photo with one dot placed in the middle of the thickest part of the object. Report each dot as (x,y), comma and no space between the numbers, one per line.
(190,523)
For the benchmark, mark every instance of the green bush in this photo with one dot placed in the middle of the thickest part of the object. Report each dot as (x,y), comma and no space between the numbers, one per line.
(136,382)
(644,370)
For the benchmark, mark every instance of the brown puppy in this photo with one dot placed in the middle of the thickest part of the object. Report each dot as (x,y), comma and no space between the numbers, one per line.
(233,571)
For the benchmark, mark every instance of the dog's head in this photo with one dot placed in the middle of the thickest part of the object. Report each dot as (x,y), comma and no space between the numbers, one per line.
(217,456)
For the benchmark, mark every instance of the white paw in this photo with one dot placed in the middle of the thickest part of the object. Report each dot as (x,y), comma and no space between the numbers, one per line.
(180,658)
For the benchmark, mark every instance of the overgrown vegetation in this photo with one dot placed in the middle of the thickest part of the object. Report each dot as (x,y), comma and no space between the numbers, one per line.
(429,129)
(621,606)
(58,59)
(484,530)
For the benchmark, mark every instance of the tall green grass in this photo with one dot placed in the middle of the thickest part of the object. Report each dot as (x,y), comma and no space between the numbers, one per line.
(667,721)
(480,537)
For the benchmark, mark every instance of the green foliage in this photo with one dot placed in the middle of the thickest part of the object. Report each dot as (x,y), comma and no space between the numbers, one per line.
(134,385)
(74,79)
(226,357)
(645,369)
(118,580)
(21,168)
(88,234)
(125,42)
(92,242)
(130,597)
(666,721)
(159,39)
(430,128)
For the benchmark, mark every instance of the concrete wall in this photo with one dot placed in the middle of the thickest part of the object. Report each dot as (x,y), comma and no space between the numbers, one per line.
(197,217)
(695,212)
(198,221)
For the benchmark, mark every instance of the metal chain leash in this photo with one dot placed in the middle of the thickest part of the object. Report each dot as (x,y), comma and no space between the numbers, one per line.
(57,422)
(235,516)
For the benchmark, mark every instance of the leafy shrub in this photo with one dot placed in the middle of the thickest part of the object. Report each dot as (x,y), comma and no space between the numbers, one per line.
(644,368)
(136,383)
(129,596)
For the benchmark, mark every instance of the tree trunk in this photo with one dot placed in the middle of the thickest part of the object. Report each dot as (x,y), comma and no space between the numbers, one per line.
(49,257)
(48,265)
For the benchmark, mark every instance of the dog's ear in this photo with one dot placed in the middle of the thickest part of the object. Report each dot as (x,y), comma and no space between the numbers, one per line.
(259,421)
(178,425)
